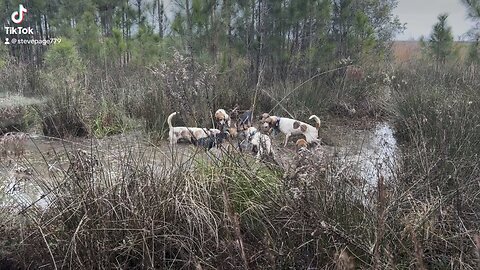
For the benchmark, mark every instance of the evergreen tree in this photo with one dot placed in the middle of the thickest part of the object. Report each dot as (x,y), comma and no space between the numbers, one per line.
(473,7)
(87,35)
(281,39)
(440,42)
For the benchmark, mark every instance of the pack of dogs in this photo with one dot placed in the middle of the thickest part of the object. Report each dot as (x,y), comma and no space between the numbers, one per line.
(241,127)
(238,127)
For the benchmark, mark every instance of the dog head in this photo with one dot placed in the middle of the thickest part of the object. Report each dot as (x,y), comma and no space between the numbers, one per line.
(222,117)
(263,117)
(245,120)
(251,131)
(213,132)
(301,143)
(270,122)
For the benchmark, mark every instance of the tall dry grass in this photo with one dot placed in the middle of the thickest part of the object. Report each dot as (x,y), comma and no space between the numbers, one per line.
(436,116)
(137,213)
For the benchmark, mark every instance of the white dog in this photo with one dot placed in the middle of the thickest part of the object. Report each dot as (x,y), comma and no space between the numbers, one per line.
(176,133)
(262,142)
(290,127)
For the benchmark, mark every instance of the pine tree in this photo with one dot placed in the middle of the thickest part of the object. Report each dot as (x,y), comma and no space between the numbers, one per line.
(440,43)
(473,7)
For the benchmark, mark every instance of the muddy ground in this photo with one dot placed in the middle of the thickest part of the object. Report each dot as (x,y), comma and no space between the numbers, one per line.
(362,149)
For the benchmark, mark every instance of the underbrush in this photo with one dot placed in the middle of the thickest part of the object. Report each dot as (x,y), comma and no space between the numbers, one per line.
(437,119)
(231,213)
(86,98)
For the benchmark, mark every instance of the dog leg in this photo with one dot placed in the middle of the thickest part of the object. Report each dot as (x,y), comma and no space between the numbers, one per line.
(269,149)
(286,139)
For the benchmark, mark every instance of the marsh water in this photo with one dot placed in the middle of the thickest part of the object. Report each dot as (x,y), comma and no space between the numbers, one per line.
(370,153)
(365,153)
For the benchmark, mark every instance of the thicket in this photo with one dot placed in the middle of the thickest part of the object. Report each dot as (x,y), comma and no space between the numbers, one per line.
(141,60)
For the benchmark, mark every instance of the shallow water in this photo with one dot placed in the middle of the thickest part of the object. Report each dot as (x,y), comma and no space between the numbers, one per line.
(22,178)
(364,153)
(369,153)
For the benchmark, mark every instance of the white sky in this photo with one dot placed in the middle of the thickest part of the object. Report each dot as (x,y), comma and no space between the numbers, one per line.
(421,15)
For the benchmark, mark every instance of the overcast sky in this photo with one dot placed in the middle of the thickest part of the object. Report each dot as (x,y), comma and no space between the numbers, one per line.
(421,15)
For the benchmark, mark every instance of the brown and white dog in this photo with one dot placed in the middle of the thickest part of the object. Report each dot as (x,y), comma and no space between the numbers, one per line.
(222,117)
(224,123)
(290,127)
(261,141)
(301,144)
(264,117)
(188,133)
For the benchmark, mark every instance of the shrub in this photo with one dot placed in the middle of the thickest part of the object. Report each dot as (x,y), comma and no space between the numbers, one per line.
(227,212)
(436,115)
(66,100)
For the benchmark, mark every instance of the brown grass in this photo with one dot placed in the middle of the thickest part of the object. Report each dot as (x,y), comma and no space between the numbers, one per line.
(405,51)
(409,51)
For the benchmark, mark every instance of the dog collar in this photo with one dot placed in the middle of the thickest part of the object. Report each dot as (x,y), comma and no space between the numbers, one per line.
(277,123)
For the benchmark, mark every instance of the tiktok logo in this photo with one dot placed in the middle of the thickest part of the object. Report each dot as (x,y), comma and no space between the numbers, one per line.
(18,16)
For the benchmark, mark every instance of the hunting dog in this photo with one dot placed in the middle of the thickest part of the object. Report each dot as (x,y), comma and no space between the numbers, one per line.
(290,127)
(224,123)
(187,133)
(301,144)
(261,142)
(222,117)
(241,121)
(213,140)
(245,120)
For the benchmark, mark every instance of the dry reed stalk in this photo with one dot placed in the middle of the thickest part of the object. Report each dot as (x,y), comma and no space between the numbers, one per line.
(418,251)
(344,261)
(48,247)
(234,221)
(477,249)
(380,222)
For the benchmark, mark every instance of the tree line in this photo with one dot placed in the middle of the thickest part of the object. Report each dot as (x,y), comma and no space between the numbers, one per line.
(272,39)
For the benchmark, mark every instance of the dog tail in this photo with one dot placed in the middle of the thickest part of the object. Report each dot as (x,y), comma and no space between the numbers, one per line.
(317,120)
(169,119)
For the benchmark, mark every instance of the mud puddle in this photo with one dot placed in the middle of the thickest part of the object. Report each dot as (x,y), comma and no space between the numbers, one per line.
(365,153)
